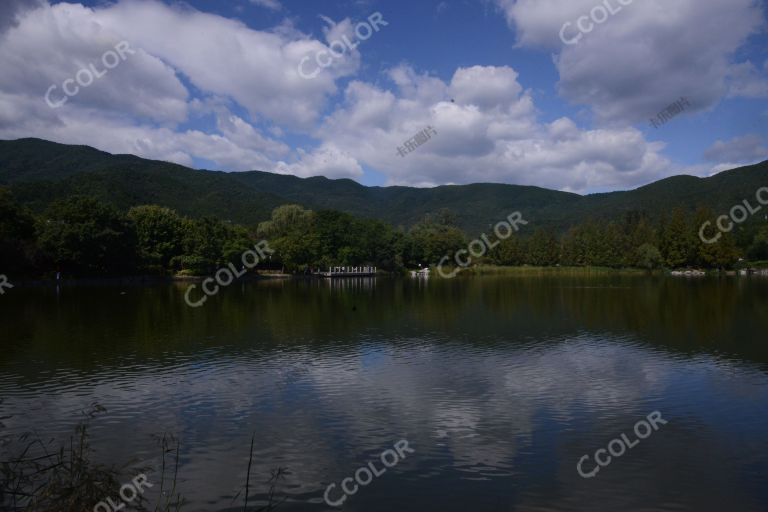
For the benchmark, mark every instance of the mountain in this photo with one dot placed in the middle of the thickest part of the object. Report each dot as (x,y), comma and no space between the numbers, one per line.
(40,171)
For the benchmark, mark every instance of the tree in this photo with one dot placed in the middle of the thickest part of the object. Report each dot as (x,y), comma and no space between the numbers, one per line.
(647,256)
(286,220)
(432,239)
(722,252)
(160,236)
(83,236)
(291,233)
(509,252)
(758,250)
(678,240)
(17,235)
(543,249)
(209,244)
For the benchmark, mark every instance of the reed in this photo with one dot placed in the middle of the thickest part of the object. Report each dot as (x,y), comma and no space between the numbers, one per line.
(40,476)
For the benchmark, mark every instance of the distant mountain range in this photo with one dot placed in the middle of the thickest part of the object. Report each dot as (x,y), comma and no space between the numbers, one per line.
(39,172)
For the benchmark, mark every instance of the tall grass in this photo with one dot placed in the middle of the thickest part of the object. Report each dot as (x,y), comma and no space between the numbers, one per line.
(40,476)
(36,476)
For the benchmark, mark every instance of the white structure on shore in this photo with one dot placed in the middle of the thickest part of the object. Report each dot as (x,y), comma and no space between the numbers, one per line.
(348,272)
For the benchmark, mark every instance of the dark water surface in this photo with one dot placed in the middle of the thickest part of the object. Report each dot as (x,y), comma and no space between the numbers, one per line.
(500,385)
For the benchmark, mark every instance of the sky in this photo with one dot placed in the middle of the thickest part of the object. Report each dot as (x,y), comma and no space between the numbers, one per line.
(577,95)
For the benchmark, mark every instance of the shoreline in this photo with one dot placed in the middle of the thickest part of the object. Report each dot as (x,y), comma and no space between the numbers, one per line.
(133,280)
(475,271)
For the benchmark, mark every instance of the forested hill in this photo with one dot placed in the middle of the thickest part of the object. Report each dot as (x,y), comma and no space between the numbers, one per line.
(39,172)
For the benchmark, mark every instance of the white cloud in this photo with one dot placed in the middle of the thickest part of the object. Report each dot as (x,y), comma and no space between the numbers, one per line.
(489,132)
(327,160)
(182,98)
(643,57)
(747,148)
(487,87)
(269,4)
(138,106)
(258,69)
(141,85)
(116,135)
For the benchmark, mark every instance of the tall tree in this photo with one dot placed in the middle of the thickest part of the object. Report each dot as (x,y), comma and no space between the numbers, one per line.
(17,235)
(83,236)
(677,239)
(160,236)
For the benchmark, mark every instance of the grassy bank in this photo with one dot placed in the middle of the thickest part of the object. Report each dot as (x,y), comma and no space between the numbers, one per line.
(482,270)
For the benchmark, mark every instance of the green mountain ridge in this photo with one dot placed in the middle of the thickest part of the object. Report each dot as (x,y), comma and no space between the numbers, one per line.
(39,172)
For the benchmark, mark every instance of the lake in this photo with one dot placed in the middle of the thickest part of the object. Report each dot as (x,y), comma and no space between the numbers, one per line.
(501,387)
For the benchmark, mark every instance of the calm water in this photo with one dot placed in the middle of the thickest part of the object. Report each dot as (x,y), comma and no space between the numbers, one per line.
(500,385)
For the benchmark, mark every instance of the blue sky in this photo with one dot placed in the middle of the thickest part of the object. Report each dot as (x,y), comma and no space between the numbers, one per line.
(213,84)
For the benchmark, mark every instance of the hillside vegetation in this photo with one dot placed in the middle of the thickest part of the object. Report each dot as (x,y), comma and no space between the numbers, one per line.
(80,211)
(39,172)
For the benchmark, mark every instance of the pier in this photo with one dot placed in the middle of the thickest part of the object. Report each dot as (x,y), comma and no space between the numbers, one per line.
(348,272)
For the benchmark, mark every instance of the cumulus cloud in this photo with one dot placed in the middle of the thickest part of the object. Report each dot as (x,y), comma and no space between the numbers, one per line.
(140,85)
(138,106)
(258,69)
(748,148)
(643,57)
(235,103)
(487,130)
(327,160)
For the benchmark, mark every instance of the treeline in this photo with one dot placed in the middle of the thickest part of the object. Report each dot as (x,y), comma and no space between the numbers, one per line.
(304,239)
(80,236)
(671,242)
